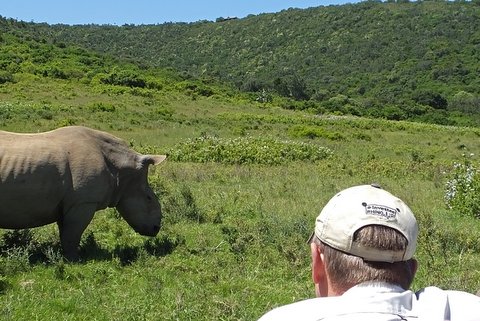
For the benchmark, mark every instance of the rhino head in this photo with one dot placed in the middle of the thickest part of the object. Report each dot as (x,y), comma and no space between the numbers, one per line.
(138,204)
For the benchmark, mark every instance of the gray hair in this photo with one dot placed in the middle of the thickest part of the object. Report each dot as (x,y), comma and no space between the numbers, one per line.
(346,271)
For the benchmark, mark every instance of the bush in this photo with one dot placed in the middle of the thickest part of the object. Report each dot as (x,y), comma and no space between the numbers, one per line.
(5,77)
(101,107)
(430,98)
(313,132)
(195,88)
(124,78)
(246,150)
(465,102)
(462,192)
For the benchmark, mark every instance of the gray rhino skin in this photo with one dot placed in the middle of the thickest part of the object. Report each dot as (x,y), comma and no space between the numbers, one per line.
(68,174)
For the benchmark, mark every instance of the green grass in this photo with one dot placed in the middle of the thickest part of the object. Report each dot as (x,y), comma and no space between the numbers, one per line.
(232,245)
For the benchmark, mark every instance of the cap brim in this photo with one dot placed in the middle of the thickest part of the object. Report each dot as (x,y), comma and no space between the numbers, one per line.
(310,239)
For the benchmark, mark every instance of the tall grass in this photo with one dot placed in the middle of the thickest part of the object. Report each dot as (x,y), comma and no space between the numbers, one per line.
(232,244)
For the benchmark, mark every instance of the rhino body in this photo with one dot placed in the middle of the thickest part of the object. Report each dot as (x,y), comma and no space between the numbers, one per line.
(68,174)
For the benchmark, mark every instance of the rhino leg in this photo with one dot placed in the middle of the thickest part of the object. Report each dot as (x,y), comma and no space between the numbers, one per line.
(71,227)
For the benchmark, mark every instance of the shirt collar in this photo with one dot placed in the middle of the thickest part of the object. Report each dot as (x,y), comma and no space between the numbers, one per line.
(378,297)
(375,286)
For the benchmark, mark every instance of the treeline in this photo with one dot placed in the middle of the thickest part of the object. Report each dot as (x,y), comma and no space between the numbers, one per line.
(28,56)
(395,60)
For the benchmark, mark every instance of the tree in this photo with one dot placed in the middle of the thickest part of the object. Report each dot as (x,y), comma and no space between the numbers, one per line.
(430,98)
(465,102)
(291,86)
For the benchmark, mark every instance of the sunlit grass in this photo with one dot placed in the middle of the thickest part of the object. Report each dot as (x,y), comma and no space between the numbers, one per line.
(232,244)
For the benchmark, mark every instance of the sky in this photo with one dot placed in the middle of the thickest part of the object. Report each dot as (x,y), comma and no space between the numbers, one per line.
(120,12)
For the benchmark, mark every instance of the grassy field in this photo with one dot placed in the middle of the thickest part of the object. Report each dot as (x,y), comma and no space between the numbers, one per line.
(232,245)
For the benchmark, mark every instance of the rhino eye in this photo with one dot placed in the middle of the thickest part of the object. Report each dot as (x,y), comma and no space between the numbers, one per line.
(149,198)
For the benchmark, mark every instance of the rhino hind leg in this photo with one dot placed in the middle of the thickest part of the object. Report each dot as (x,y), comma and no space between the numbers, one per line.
(71,227)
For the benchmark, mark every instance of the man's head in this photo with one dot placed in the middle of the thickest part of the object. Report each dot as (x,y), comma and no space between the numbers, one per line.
(364,233)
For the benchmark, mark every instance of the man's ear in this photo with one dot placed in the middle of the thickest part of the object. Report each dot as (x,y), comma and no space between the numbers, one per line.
(317,262)
(319,275)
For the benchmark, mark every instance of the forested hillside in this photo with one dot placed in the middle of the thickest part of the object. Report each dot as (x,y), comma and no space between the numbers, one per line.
(246,175)
(417,61)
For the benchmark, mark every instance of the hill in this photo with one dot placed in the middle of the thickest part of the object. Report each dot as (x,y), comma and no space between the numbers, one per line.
(408,60)
(242,184)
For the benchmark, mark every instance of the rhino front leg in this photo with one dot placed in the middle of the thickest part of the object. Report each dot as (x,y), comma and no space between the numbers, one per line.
(71,227)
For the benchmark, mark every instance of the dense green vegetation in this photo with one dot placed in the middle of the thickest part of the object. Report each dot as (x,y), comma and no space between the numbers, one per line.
(236,213)
(408,60)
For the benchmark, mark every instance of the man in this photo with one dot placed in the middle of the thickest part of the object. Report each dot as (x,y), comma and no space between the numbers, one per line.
(362,265)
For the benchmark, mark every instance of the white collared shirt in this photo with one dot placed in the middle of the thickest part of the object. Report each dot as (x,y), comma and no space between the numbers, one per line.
(376,301)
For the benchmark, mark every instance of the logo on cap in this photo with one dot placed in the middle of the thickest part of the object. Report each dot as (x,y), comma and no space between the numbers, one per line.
(381,211)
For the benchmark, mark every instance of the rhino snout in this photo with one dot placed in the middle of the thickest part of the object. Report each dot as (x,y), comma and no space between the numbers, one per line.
(149,230)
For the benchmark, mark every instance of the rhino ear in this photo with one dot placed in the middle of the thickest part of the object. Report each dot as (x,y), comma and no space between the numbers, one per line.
(152,159)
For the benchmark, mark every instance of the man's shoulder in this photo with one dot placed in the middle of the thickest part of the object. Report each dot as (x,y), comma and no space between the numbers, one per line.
(309,309)
(351,302)
(430,302)
(434,293)
(454,305)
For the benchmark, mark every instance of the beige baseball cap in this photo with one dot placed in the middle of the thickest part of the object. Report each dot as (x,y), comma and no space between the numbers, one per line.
(359,206)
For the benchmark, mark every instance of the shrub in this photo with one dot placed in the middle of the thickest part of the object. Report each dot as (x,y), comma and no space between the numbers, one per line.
(430,98)
(125,78)
(465,102)
(197,87)
(183,205)
(162,112)
(313,132)
(101,107)
(337,103)
(246,150)
(4,284)
(462,192)
(54,72)
(5,77)
(45,112)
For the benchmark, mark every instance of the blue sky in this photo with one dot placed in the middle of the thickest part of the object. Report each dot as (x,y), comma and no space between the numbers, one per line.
(119,12)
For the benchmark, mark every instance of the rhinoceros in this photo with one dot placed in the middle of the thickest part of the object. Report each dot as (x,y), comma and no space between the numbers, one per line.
(66,175)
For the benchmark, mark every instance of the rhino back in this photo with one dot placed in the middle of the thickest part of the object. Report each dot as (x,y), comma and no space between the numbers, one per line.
(42,175)
(33,179)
